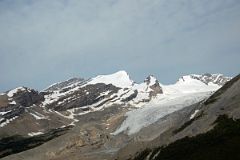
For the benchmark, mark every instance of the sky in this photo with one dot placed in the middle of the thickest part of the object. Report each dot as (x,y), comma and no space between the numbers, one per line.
(42,42)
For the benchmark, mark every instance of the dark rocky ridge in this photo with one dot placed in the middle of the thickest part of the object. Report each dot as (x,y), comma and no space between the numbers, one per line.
(66,83)
(28,97)
(87,95)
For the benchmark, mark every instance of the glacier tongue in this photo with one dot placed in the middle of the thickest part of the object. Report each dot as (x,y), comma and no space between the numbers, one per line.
(185,92)
(156,109)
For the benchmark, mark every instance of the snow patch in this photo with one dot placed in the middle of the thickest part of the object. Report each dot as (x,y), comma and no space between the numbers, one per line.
(7,121)
(194,114)
(153,80)
(104,93)
(13,102)
(38,116)
(119,79)
(14,91)
(70,116)
(3,113)
(34,133)
(56,95)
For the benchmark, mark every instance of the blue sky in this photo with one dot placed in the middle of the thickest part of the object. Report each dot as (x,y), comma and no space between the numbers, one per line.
(42,42)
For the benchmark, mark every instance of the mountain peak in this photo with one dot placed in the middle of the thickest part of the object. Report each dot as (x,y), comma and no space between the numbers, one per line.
(119,79)
(207,78)
(12,92)
(151,80)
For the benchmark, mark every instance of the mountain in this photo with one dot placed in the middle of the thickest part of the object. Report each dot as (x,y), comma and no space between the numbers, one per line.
(205,130)
(60,103)
(93,118)
(210,79)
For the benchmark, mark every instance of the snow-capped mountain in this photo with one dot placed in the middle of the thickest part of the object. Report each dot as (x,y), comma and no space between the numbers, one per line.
(188,90)
(199,131)
(77,96)
(71,98)
(27,112)
(197,83)
(207,78)
(119,79)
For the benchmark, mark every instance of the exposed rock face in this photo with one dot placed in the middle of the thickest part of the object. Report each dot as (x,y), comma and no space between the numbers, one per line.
(27,97)
(63,84)
(153,83)
(17,100)
(87,95)
(207,78)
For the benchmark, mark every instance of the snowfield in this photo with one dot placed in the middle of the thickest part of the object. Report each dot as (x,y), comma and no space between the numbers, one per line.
(119,79)
(185,92)
(156,109)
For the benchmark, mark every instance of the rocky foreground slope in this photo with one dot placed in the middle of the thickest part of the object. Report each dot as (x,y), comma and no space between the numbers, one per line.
(105,117)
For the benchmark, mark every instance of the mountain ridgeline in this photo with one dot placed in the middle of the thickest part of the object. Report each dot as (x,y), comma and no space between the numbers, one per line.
(214,133)
(113,117)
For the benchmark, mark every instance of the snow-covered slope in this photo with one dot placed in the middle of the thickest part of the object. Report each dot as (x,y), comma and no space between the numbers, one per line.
(187,84)
(186,91)
(209,79)
(116,88)
(119,79)
(196,83)
(156,109)
(77,96)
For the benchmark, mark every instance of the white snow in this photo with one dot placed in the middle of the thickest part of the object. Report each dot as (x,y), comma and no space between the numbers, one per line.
(143,92)
(194,114)
(51,85)
(104,93)
(3,113)
(152,80)
(119,79)
(186,84)
(156,109)
(38,116)
(56,95)
(34,133)
(175,96)
(12,102)
(185,92)
(70,116)
(7,121)
(12,92)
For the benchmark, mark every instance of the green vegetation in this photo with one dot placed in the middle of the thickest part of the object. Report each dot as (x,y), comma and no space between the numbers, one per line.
(221,143)
(16,144)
